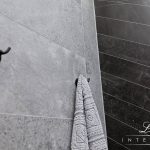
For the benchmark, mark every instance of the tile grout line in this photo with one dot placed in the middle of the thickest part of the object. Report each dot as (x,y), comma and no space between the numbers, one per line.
(114,37)
(45,37)
(126,102)
(103,0)
(120,121)
(125,80)
(107,5)
(131,22)
(118,143)
(106,78)
(26,27)
(143,5)
(105,53)
(122,3)
(35,116)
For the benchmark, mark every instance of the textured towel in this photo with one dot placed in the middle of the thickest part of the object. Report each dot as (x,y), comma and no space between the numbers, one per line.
(87,133)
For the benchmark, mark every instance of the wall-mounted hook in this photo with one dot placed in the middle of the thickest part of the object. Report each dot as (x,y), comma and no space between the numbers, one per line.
(76,81)
(4,52)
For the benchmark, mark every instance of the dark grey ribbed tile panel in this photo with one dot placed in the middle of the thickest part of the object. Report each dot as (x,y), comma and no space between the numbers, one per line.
(99,3)
(126,91)
(113,145)
(124,49)
(125,30)
(127,70)
(126,112)
(117,130)
(133,13)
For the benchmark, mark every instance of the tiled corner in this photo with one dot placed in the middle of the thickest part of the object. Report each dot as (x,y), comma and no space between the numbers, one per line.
(92,55)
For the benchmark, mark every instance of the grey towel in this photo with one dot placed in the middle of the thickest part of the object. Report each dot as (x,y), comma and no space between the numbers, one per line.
(87,133)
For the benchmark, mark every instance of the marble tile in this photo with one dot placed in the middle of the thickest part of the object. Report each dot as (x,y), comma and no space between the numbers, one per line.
(34,133)
(37,76)
(129,40)
(114,145)
(125,30)
(44,133)
(102,3)
(126,112)
(133,13)
(117,130)
(125,69)
(11,132)
(138,2)
(126,91)
(107,104)
(92,55)
(124,49)
(60,22)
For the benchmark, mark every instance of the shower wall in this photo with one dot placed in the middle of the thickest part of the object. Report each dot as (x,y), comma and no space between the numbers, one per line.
(123,28)
(52,43)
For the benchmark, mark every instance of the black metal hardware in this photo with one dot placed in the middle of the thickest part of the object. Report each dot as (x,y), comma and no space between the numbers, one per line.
(4,52)
(76,81)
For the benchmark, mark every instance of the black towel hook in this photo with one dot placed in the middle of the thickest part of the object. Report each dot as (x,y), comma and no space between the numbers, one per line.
(76,81)
(4,52)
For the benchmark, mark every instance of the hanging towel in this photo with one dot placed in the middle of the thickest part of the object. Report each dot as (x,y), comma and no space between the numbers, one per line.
(87,133)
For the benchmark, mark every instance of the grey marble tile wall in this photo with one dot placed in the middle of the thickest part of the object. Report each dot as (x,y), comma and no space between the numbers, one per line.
(123,38)
(52,43)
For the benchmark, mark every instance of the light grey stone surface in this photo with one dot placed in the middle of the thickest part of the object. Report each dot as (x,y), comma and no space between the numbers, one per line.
(70,23)
(52,43)
(37,76)
(34,133)
(59,21)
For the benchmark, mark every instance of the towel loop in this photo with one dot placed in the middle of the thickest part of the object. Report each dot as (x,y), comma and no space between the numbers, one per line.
(76,81)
